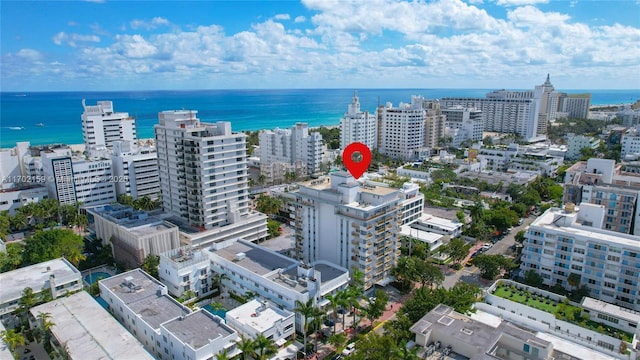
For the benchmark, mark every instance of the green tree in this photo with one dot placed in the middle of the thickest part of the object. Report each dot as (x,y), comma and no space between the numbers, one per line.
(374,346)
(456,249)
(126,200)
(574,280)
(428,273)
(333,303)
(460,216)
(337,340)
(150,265)
(519,237)
(13,339)
(268,205)
(223,355)
(490,265)
(52,244)
(273,228)
(263,347)
(246,345)
(12,258)
(307,310)
(405,272)
(532,278)
(46,324)
(376,308)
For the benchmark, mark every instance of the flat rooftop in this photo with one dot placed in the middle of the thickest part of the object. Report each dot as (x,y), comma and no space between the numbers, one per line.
(438,221)
(256,259)
(36,277)
(142,294)
(198,328)
(611,309)
(257,316)
(89,331)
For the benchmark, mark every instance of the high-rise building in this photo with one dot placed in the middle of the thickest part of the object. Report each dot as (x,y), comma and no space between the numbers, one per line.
(101,126)
(349,224)
(464,124)
(203,179)
(548,105)
(358,126)
(564,244)
(74,180)
(135,170)
(285,151)
(402,129)
(601,182)
(575,106)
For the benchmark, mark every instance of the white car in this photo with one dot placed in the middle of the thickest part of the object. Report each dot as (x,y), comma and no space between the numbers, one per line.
(349,349)
(486,246)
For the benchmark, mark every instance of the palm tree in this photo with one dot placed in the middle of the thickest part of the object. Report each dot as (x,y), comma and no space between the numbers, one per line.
(246,345)
(26,302)
(224,355)
(317,321)
(344,300)
(333,300)
(47,324)
(306,310)
(263,347)
(12,338)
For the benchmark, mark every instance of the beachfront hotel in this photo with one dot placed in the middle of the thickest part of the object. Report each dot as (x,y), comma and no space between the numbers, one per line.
(203,179)
(101,125)
(402,129)
(358,126)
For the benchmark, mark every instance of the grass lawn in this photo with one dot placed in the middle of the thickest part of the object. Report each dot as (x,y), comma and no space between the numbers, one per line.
(538,302)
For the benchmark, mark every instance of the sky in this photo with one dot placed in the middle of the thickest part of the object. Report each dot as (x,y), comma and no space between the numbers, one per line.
(104,45)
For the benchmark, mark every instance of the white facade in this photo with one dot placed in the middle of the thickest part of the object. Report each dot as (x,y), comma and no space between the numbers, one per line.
(101,126)
(358,126)
(133,234)
(562,242)
(262,318)
(185,269)
(402,129)
(412,204)
(275,277)
(12,199)
(166,328)
(135,170)
(349,224)
(88,331)
(72,179)
(203,170)
(56,277)
(575,143)
(464,124)
(289,150)
(630,145)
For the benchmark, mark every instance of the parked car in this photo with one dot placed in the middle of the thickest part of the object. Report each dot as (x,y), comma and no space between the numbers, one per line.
(351,347)
(486,246)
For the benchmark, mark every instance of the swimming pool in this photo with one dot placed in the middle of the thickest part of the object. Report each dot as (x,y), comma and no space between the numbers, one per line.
(95,276)
(221,313)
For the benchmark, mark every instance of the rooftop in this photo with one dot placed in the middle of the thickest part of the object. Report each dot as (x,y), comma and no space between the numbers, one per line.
(36,277)
(611,309)
(254,258)
(198,329)
(257,315)
(89,331)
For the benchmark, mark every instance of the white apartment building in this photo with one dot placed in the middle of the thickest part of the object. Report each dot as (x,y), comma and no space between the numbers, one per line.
(464,124)
(289,150)
(135,170)
(56,277)
(101,126)
(358,126)
(282,280)
(575,106)
(262,317)
(185,269)
(11,168)
(402,129)
(11,199)
(203,169)
(505,111)
(548,105)
(630,145)
(412,203)
(166,328)
(72,179)
(562,242)
(133,234)
(575,143)
(350,224)
(629,117)
(602,182)
(88,331)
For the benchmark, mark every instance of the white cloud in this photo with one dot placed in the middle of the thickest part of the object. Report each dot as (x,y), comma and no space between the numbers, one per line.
(29,54)
(74,39)
(520,2)
(299,19)
(282,17)
(148,24)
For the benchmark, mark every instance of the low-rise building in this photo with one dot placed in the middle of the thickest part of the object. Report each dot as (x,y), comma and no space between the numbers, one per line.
(413,234)
(133,234)
(438,225)
(575,143)
(412,203)
(186,269)
(261,317)
(56,277)
(165,327)
(11,199)
(87,331)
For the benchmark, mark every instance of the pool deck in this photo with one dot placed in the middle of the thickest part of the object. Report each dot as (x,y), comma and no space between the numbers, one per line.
(102,268)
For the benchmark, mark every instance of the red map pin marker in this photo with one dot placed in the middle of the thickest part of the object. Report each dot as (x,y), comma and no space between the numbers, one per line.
(356,157)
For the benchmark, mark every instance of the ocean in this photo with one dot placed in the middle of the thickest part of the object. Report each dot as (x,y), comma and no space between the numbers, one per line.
(59,112)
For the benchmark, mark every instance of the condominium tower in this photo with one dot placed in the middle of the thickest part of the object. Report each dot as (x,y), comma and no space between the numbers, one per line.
(358,126)
(402,130)
(101,126)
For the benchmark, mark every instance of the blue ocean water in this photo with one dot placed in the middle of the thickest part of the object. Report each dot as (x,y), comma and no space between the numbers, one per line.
(246,109)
